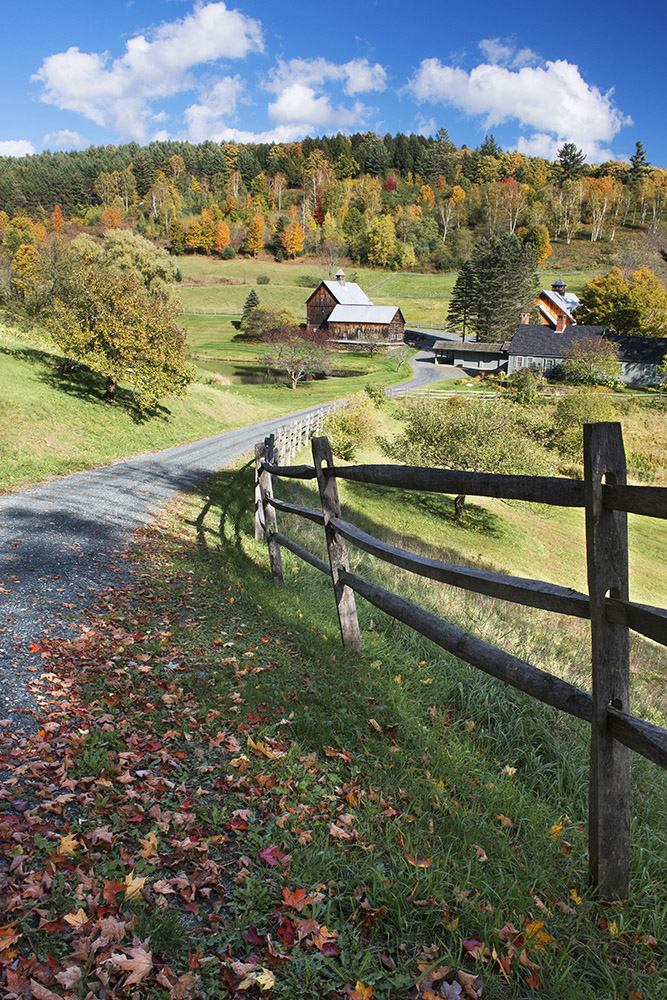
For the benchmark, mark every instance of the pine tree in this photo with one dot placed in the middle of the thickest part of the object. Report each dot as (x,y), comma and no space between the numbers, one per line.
(464,300)
(507,280)
(251,302)
(570,162)
(640,166)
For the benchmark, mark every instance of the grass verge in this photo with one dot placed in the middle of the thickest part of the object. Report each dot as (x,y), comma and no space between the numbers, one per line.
(222,803)
(52,424)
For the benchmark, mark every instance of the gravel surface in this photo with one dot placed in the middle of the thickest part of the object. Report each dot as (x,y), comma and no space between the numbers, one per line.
(63,541)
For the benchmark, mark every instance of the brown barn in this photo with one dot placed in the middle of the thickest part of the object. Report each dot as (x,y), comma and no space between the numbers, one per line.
(330,294)
(345,310)
(367,324)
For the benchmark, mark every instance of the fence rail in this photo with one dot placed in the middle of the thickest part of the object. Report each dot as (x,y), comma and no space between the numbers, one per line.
(435,391)
(607,499)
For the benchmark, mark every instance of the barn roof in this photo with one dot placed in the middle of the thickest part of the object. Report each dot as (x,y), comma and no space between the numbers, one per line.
(542,341)
(348,294)
(473,346)
(362,313)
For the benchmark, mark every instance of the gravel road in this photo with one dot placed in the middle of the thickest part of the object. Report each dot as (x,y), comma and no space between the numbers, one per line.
(62,541)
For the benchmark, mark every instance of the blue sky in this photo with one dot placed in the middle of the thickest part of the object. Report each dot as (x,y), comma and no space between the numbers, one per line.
(153,69)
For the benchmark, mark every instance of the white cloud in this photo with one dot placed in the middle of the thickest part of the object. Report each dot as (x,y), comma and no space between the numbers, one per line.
(553,99)
(205,118)
(299,105)
(16,147)
(65,139)
(117,93)
(304,101)
(505,53)
(546,146)
(426,126)
(357,76)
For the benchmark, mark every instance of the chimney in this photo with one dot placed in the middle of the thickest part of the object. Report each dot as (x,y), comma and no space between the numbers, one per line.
(340,277)
(560,323)
(525,318)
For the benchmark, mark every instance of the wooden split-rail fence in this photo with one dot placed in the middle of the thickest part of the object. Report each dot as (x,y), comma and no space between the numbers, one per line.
(607,499)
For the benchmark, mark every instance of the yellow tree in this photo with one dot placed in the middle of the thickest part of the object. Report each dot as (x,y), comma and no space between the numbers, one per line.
(255,238)
(193,237)
(221,236)
(381,239)
(110,322)
(24,267)
(207,237)
(426,196)
(292,238)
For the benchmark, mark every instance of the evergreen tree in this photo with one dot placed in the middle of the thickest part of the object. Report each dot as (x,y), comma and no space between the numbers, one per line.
(506,280)
(640,166)
(463,303)
(251,302)
(570,162)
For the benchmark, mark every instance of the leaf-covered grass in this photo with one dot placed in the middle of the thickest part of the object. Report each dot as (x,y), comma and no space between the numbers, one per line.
(223,802)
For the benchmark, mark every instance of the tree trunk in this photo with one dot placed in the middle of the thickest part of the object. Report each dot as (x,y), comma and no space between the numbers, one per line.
(110,396)
(458,507)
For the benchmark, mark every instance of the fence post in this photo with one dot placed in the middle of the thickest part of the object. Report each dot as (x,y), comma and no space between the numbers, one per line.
(264,450)
(607,556)
(260,449)
(347,610)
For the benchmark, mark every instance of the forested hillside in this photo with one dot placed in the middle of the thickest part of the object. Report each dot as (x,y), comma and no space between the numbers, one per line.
(392,201)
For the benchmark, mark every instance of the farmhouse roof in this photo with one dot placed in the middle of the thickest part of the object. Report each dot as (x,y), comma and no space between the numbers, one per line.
(541,341)
(644,350)
(473,346)
(363,313)
(348,294)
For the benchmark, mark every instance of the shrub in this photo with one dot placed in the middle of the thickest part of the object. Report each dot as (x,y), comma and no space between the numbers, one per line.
(261,320)
(572,412)
(306,281)
(227,253)
(376,393)
(350,426)
(525,383)
(263,279)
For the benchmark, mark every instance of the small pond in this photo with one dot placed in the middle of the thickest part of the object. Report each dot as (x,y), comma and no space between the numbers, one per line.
(237,373)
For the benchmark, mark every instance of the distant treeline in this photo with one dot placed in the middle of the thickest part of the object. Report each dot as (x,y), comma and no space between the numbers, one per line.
(384,200)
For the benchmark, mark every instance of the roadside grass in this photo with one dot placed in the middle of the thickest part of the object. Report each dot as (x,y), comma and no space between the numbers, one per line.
(263,813)
(52,424)
(516,538)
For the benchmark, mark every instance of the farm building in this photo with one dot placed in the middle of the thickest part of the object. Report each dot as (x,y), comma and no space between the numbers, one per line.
(542,348)
(345,310)
(537,346)
(556,306)
(472,356)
